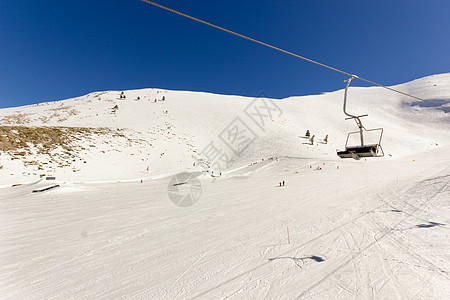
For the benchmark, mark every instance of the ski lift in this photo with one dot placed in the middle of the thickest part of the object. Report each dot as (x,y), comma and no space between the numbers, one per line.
(362,150)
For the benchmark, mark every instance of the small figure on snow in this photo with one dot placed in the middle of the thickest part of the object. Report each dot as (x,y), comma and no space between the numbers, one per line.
(280,183)
(307,134)
(283,182)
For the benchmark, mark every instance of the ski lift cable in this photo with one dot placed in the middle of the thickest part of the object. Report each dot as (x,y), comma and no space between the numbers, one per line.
(287,52)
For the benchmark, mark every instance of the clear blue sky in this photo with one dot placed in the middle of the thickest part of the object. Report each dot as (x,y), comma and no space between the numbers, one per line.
(53,50)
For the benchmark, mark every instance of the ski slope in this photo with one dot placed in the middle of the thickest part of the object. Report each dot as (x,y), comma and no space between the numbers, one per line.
(339,229)
(167,137)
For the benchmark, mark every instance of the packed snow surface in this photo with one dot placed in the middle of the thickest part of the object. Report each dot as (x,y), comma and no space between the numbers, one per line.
(180,198)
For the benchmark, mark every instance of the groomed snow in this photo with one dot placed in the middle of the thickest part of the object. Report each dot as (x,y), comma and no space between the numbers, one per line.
(340,229)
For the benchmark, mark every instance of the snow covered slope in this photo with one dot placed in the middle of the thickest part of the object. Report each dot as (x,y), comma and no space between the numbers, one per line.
(368,229)
(140,135)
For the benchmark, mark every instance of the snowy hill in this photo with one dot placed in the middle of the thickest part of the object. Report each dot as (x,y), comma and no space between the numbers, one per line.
(138,135)
(336,229)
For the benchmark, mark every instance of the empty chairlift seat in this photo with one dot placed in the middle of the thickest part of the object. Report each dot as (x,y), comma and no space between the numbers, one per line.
(358,152)
(362,150)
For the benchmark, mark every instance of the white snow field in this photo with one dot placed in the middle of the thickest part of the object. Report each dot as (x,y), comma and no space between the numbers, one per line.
(377,228)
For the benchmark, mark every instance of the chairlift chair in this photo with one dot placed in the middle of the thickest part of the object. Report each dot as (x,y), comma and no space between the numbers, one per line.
(362,150)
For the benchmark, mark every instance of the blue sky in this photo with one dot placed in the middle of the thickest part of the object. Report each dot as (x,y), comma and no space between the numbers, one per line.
(53,50)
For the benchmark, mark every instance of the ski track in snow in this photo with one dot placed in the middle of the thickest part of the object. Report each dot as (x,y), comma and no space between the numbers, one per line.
(366,244)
